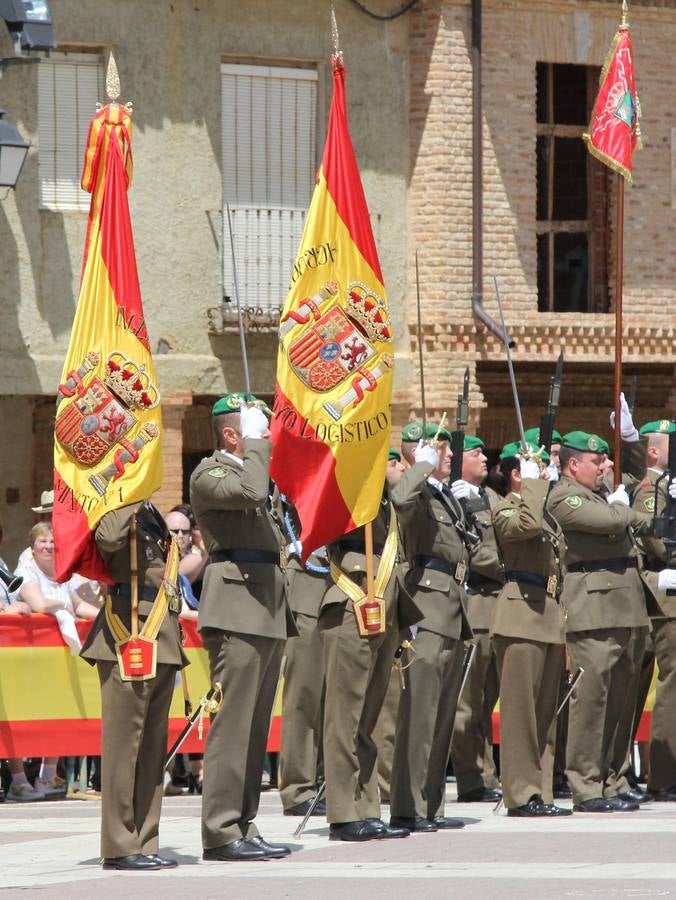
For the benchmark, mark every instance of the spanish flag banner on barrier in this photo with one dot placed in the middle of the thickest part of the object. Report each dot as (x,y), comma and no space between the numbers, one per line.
(614,132)
(331,421)
(107,447)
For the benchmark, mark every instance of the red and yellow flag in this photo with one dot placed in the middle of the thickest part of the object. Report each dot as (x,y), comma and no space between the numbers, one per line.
(331,421)
(107,447)
(614,132)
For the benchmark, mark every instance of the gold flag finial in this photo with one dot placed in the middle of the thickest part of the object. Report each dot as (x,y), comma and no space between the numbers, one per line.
(337,52)
(112,79)
(625,15)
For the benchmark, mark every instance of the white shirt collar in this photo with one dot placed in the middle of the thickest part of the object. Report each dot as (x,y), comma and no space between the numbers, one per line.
(232,456)
(435,482)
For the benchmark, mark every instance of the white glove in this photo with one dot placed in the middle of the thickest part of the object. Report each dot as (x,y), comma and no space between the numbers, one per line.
(618,496)
(628,430)
(253,421)
(552,472)
(461,490)
(529,468)
(672,488)
(666,580)
(426,453)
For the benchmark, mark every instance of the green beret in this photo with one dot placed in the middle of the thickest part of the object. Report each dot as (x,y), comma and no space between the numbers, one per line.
(413,431)
(533,436)
(514,449)
(582,440)
(472,442)
(393,454)
(662,426)
(232,402)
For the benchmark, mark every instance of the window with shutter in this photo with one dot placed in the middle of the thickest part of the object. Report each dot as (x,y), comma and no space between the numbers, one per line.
(269,136)
(69,86)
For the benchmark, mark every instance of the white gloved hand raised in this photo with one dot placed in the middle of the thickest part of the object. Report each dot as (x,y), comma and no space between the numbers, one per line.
(529,468)
(253,421)
(426,453)
(618,496)
(666,580)
(672,488)
(461,490)
(628,430)
(552,472)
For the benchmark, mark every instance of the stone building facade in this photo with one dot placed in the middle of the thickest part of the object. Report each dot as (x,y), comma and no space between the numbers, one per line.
(410,102)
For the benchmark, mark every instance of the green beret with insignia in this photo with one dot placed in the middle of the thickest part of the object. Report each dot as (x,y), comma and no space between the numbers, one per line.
(472,442)
(533,436)
(231,403)
(661,426)
(414,431)
(582,440)
(514,449)
(393,454)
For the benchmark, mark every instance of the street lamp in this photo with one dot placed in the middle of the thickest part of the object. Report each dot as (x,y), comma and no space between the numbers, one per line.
(13,151)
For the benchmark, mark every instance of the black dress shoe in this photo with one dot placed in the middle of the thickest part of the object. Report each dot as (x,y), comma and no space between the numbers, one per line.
(302,808)
(595,805)
(273,851)
(620,804)
(562,790)
(443,822)
(137,862)
(236,851)
(536,808)
(637,796)
(361,830)
(163,862)
(413,823)
(663,795)
(481,795)
(389,831)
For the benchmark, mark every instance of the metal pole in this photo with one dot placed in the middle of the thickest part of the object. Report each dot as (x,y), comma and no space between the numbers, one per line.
(245,362)
(515,393)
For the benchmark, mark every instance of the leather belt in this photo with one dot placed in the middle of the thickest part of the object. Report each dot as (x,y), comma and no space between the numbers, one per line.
(124,592)
(601,565)
(551,584)
(481,582)
(358,547)
(457,570)
(270,557)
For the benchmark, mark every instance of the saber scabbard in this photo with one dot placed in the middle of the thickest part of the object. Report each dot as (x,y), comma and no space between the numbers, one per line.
(306,818)
(470,653)
(574,681)
(208,705)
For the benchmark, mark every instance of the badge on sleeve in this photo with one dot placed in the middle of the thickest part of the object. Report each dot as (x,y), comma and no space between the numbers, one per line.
(649,504)
(217,472)
(574,502)
(508,513)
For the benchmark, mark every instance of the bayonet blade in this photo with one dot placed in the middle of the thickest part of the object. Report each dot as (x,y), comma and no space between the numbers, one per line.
(515,393)
(420,350)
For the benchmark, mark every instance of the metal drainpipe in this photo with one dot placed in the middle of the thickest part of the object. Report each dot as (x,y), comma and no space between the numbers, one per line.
(477,182)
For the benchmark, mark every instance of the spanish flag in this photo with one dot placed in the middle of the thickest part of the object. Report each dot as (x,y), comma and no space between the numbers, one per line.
(107,447)
(331,420)
(614,132)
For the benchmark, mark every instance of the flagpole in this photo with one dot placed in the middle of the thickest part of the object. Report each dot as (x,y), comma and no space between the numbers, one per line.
(368,548)
(619,264)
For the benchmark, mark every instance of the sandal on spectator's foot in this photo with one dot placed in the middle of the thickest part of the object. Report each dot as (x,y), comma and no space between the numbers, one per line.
(24,793)
(52,788)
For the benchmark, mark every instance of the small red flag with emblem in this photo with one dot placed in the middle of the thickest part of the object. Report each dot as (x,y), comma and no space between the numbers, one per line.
(614,132)
(107,447)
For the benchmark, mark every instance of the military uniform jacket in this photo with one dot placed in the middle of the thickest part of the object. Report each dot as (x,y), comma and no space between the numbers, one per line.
(152,542)
(531,542)
(430,524)
(230,502)
(486,571)
(660,605)
(348,555)
(306,588)
(594,532)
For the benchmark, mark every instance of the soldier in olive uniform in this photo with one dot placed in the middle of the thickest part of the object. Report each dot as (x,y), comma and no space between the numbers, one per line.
(244,621)
(528,635)
(433,528)
(606,622)
(134,714)
(651,497)
(472,743)
(302,700)
(357,671)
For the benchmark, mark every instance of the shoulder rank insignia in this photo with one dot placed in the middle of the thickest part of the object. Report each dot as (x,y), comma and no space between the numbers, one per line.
(574,502)
(508,513)
(217,472)
(649,504)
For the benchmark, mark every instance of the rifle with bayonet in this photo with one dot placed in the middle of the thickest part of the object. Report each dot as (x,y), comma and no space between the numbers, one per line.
(547,421)
(458,436)
(665,524)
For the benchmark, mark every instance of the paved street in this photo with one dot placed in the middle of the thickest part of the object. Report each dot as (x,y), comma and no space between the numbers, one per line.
(50,850)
